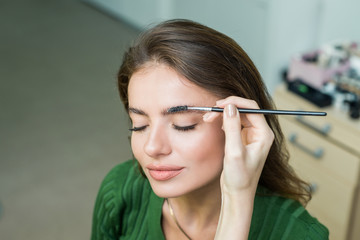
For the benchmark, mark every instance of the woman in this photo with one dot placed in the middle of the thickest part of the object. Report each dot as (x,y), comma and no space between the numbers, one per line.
(199,176)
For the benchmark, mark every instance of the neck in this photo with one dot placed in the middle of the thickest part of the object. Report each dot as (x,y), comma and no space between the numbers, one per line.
(199,209)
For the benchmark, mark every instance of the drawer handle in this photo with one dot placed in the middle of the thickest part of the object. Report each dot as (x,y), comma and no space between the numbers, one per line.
(324,130)
(317,153)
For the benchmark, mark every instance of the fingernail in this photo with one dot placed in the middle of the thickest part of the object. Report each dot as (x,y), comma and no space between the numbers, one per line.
(230,110)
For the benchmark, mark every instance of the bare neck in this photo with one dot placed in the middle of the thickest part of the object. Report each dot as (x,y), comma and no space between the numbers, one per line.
(197,212)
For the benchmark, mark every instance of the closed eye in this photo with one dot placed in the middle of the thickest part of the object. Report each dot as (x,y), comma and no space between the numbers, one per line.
(138,129)
(184,128)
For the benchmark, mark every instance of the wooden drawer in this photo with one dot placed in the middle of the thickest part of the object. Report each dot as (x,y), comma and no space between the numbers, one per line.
(331,201)
(337,126)
(335,172)
(333,176)
(303,145)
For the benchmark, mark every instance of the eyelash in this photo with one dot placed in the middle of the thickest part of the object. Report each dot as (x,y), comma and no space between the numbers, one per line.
(178,128)
(185,128)
(138,129)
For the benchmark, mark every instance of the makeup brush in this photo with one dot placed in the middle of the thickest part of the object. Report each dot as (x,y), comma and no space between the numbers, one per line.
(246,110)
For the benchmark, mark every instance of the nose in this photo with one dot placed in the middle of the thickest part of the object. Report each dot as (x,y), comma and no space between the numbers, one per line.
(157,144)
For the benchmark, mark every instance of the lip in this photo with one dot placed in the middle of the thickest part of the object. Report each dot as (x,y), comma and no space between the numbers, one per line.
(164,172)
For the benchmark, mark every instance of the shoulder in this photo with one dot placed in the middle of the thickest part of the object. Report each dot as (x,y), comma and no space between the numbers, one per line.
(121,185)
(120,180)
(121,170)
(276,217)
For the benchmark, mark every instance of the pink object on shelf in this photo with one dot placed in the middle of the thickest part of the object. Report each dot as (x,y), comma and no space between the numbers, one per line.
(311,73)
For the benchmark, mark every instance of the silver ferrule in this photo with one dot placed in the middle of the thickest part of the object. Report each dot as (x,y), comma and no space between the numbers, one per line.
(200,108)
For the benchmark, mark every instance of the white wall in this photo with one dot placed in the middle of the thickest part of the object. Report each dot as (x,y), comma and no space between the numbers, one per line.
(242,20)
(340,19)
(270,31)
(139,13)
(291,28)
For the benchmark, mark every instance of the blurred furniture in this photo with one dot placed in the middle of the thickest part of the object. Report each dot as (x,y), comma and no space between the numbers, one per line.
(325,151)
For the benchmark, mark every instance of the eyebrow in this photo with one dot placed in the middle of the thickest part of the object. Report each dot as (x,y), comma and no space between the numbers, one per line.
(136,111)
(164,112)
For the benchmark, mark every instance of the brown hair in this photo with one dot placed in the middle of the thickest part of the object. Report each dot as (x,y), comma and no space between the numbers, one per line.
(218,64)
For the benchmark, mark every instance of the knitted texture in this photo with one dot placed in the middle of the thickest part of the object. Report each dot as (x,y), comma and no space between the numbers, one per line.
(127,208)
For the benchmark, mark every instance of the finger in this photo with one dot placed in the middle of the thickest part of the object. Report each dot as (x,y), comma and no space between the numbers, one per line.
(250,120)
(232,129)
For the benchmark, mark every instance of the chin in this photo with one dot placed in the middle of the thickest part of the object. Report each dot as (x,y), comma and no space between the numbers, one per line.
(166,190)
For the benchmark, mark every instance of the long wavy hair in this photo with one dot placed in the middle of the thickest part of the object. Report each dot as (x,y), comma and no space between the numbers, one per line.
(218,64)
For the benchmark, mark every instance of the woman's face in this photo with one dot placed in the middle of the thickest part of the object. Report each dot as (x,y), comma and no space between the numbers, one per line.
(179,152)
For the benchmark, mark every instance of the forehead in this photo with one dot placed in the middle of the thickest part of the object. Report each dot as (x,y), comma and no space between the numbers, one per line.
(162,85)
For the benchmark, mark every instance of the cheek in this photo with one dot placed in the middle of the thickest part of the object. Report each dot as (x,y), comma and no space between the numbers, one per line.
(137,147)
(204,147)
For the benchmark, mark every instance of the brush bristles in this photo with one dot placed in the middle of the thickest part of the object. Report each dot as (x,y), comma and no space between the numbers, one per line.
(177,109)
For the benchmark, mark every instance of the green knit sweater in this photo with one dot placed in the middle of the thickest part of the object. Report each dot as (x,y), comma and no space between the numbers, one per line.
(127,208)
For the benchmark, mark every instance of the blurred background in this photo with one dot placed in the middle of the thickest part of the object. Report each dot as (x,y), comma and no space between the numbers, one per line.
(62,125)
(270,31)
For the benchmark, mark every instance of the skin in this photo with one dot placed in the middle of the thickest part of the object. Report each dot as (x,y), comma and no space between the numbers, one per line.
(220,158)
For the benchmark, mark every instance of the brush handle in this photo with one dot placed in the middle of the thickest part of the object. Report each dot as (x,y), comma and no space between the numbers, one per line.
(279,112)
